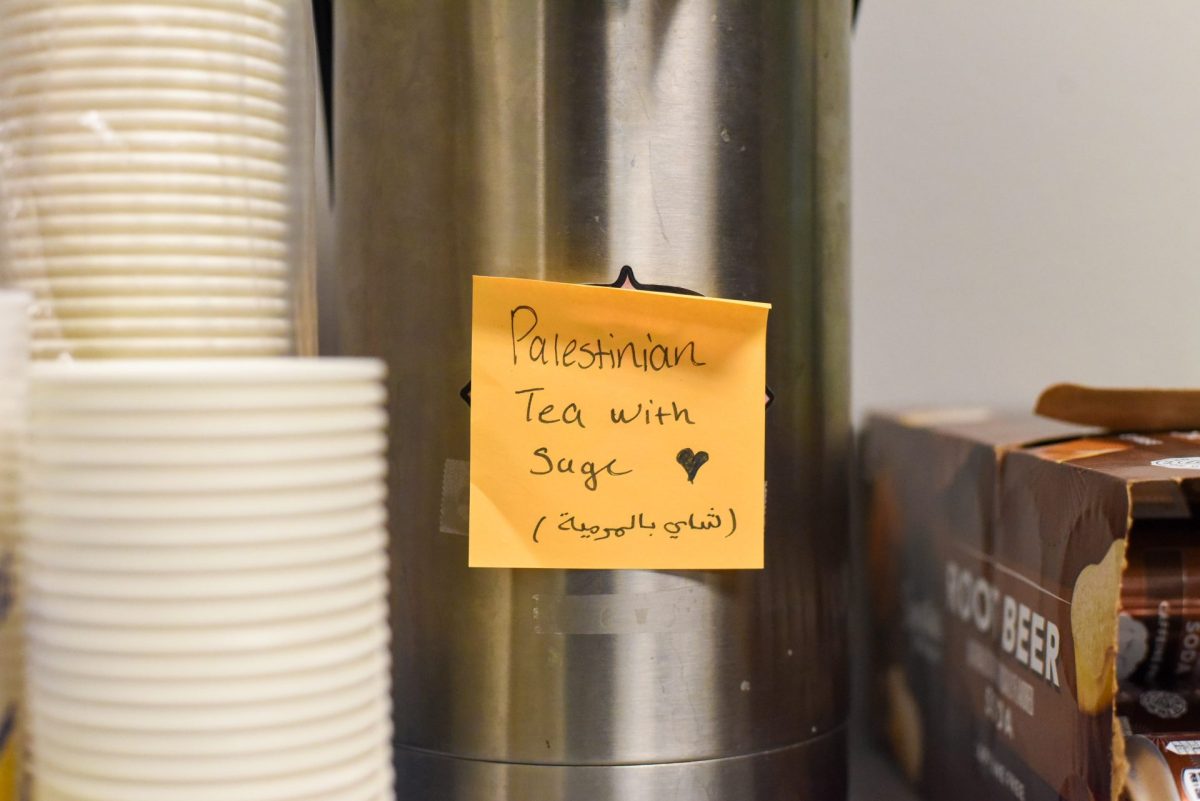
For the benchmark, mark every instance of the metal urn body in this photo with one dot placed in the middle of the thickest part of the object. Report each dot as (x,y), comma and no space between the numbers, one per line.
(702,142)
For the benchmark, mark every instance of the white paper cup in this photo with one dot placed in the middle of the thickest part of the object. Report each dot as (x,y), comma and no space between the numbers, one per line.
(253,374)
(286,527)
(207,612)
(134,244)
(208,483)
(148,223)
(153,326)
(25,225)
(167,558)
(151,265)
(150,347)
(59,79)
(128,56)
(143,17)
(227,449)
(173,151)
(118,37)
(134,98)
(207,744)
(47,204)
(198,327)
(212,717)
(72,454)
(351,781)
(133,285)
(132,121)
(196,770)
(101,158)
(197,398)
(135,305)
(173,181)
(244,584)
(235,665)
(146,430)
(267,9)
(214,640)
(207,692)
(180,348)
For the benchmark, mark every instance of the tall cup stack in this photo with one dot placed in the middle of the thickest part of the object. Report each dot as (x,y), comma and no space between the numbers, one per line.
(206,582)
(150,169)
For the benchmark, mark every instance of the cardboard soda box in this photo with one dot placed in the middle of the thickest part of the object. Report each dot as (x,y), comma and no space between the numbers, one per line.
(1011,660)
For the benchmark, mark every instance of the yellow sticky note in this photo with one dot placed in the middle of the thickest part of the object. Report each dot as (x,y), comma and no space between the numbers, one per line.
(615,428)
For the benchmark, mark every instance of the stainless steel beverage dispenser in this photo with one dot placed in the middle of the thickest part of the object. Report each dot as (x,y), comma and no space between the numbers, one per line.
(703,143)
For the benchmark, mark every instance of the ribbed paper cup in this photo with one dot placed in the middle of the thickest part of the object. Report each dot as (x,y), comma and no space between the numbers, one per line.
(197,667)
(267,9)
(128,585)
(41,266)
(212,641)
(57,445)
(118,36)
(233,183)
(172,558)
(131,283)
(290,526)
(54,79)
(353,780)
(240,767)
(209,483)
(203,692)
(205,612)
(113,222)
(145,56)
(129,243)
(153,377)
(145,430)
(147,17)
(186,399)
(170,307)
(160,348)
(120,162)
(121,122)
(107,327)
(149,202)
(207,717)
(176,745)
(207,386)
(134,98)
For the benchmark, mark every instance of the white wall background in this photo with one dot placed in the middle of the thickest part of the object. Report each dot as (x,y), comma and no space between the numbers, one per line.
(1026,198)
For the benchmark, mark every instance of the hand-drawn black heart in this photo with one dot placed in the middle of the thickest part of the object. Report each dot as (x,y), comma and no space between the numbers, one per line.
(691,462)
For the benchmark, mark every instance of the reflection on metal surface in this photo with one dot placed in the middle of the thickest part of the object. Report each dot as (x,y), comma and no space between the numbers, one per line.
(703,142)
(683,609)
(813,770)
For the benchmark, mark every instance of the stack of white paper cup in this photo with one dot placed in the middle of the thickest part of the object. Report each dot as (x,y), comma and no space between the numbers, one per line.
(204,553)
(148,174)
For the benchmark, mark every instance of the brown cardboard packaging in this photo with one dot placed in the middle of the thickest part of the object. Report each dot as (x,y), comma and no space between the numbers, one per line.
(996,546)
